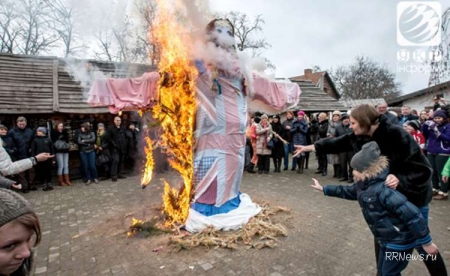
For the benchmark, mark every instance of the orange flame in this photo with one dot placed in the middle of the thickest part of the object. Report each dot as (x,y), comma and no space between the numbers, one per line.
(176,109)
(149,165)
(135,225)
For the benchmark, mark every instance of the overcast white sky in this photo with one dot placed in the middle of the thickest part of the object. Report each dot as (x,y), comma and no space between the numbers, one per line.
(328,33)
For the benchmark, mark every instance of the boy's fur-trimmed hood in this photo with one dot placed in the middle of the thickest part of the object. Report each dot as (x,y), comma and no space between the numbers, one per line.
(376,168)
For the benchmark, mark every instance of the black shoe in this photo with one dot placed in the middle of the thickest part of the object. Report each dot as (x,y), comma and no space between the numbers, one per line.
(113,179)
(324,174)
(350,181)
(285,169)
(266,172)
(318,172)
(25,191)
(250,171)
(121,176)
(104,178)
(293,169)
(343,179)
(260,172)
(33,189)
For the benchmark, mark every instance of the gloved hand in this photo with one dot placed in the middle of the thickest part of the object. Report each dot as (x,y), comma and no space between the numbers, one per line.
(429,123)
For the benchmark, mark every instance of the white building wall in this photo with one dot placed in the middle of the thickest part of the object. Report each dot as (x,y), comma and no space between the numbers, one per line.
(426,101)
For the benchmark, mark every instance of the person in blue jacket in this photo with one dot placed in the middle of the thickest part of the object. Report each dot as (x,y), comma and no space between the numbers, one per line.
(397,224)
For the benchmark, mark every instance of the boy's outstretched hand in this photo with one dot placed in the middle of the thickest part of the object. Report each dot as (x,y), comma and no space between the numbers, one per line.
(316,185)
(431,249)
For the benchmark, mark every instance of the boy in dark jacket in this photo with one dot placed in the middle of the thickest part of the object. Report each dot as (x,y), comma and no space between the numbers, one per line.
(396,223)
(43,144)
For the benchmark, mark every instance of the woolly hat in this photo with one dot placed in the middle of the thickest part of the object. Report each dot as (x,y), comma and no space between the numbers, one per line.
(264,116)
(12,206)
(440,113)
(414,124)
(344,116)
(276,116)
(365,157)
(42,129)
(257,120)
(337,112)
(301,113)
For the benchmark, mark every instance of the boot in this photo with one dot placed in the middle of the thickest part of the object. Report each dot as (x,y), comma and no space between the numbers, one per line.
(275,164)
(66,179)
(250,168)
(301,163)
(61,181)
(266,164)
(306,162)
(324,170)
(335,171)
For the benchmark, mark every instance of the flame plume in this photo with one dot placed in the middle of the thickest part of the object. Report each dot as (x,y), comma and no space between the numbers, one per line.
(176,108)
(149,164)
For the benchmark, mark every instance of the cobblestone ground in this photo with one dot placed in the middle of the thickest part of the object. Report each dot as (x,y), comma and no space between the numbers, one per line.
(84,233)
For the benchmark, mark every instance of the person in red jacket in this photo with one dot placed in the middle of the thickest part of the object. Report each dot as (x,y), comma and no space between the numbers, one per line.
(413,128)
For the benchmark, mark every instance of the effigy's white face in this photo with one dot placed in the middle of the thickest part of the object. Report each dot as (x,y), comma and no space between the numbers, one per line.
(222,34)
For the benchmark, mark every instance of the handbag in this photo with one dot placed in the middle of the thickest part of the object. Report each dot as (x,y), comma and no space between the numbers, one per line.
(61,145)
(270,144)
(102,159)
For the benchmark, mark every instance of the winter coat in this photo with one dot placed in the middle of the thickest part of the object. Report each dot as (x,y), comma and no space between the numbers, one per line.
(41,144)
(117,139)
(8,167)
(342,130)
(438,137)
(261,139)
(9,145)
(287,132)
(403,119)
(419,138)
(64,136)
(278,150)
(323,129)
(391,118)
(332,128)
(22,138)
(394,221)
(132,137)
(86,141)
(299,131)
(406,160)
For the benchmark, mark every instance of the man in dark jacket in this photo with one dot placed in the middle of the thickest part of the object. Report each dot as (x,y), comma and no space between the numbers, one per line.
(382,109)
(345,157)
(406,115)
(117,144)
(410,171)
(22,138)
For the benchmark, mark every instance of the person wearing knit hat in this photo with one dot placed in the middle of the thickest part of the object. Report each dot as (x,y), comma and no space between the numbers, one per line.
(437,133)
(410,171)
(396,223)
(60,139)
(337,112)
(40,144)
(412,127)
(18,223)
(301,113)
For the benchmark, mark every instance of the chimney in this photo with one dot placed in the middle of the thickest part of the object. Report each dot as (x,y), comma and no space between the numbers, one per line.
(308,74)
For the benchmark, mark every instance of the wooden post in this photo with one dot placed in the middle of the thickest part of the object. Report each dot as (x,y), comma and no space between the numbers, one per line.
(55,85)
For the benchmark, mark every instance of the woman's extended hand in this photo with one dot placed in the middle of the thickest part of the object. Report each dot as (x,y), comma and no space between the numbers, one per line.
(392,181)
(299,149)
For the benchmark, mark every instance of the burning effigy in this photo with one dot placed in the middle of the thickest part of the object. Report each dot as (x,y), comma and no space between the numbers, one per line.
(201,97)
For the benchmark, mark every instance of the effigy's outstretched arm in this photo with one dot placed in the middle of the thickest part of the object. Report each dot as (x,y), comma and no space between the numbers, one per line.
(273,96)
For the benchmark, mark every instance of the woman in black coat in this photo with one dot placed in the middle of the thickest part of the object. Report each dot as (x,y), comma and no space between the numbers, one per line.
(410,171)
(278,149)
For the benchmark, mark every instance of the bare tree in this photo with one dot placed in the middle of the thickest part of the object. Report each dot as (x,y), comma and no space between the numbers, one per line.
(145,44)
(9,27)
(36,36)
(365,79)
(105,43)
(63,23)
(245,31)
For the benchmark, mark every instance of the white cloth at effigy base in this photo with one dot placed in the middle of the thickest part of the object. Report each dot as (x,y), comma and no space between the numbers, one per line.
(232,220)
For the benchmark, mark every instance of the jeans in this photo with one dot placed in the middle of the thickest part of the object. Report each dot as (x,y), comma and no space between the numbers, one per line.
(437,164)
(62,159)
(390,263)
(289,148)
(88,162)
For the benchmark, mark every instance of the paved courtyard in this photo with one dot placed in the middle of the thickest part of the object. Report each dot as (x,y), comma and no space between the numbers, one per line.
(84,232)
